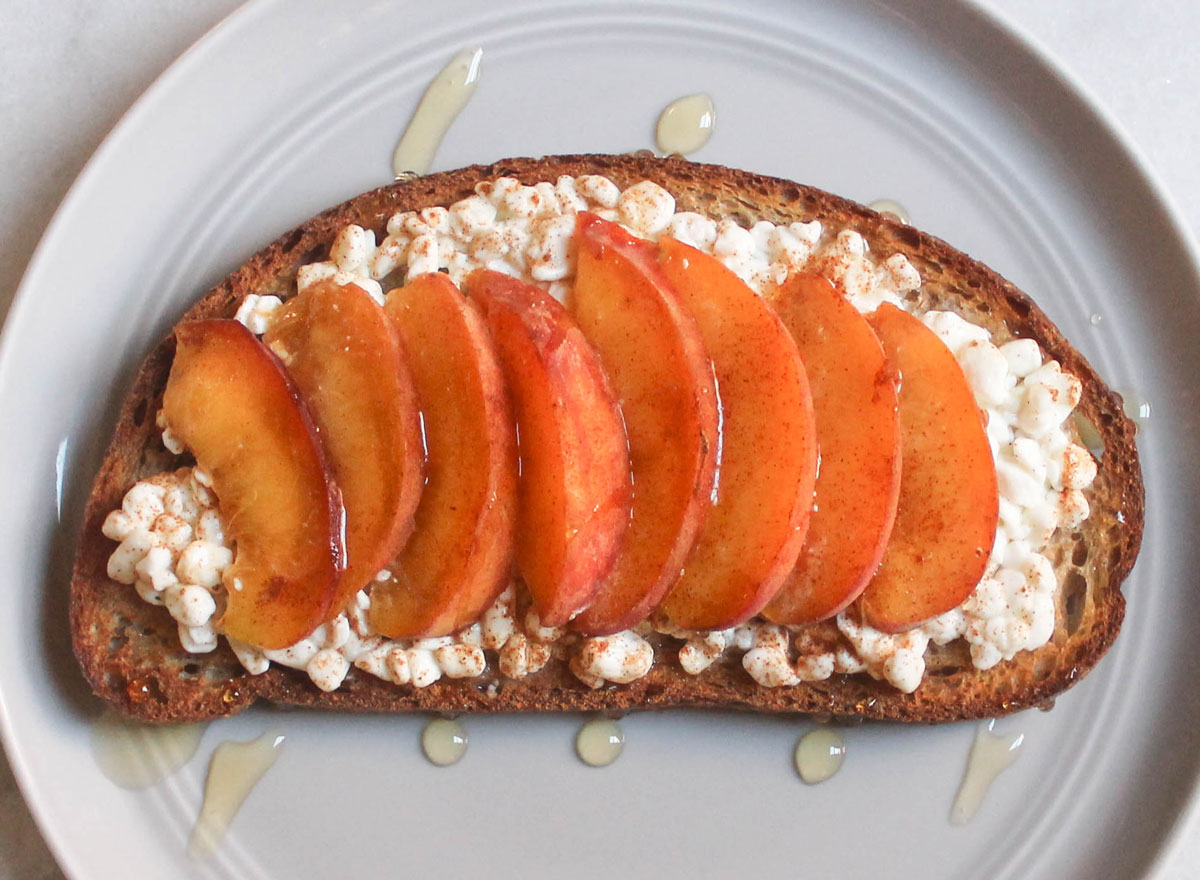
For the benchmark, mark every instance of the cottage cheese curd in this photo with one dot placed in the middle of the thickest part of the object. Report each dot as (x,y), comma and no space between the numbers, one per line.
(172,548)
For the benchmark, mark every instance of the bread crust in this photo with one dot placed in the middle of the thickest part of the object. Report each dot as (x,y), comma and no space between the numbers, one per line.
(129,650)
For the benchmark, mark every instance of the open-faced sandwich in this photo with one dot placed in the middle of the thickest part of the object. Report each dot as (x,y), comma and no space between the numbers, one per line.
(608,432)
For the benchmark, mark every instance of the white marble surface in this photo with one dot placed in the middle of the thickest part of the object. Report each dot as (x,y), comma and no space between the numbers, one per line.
(70,68)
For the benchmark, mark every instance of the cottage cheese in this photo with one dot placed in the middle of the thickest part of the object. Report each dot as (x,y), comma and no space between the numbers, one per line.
(172,544)
(526,231)
(172,550)
(620,658)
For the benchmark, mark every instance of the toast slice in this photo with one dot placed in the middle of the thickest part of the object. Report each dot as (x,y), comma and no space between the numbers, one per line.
(130,653)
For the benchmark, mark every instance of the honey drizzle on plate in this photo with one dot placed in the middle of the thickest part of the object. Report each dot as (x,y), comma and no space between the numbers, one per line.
(444,742)
(444,98)
(235,768)
(991,754)
(599,742)
(136,755)
(819,754)
(890,209)
(685,125)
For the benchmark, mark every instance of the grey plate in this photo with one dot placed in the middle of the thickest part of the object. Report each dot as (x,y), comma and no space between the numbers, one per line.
(290,107)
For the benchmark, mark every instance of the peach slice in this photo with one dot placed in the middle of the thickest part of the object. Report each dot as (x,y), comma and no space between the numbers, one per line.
(655,359)
(854,401)
(764,494)
(459,557)
(573,487)
(229,399)
(344,355)
(946,517)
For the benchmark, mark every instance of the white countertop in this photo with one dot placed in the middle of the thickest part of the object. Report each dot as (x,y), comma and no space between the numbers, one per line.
(70,69)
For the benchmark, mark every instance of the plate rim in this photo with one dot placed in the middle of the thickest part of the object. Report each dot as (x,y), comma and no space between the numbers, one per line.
(1187,821)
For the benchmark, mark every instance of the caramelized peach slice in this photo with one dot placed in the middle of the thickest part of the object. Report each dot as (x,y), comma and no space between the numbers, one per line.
(764,495)
(459,557)
(854,402)
(345,357)
(230,401)
(946,517)
(655,359)
(573,487)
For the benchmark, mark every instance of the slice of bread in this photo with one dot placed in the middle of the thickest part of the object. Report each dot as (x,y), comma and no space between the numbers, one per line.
(130,652)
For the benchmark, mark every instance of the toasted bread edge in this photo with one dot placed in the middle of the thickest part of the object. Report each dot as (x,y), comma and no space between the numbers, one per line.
(129,650)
